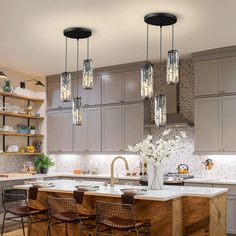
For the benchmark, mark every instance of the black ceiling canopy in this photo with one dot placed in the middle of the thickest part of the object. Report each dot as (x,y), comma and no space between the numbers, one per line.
(77,33)
(160,19)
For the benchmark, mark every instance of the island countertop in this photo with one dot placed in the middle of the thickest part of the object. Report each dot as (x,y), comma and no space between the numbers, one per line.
(168,193)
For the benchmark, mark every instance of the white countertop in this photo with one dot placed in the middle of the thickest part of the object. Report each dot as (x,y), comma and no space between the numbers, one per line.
(67,175)
(168,193)
(211,181)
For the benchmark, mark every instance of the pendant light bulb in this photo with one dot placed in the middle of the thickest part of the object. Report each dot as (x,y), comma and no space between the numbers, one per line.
(172,66)
(88,71)
(160,111)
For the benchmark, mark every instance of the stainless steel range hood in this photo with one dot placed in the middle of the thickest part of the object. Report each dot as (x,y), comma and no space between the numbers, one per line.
(174,118)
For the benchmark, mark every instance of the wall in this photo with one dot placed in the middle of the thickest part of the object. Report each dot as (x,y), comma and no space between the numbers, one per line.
(15,163)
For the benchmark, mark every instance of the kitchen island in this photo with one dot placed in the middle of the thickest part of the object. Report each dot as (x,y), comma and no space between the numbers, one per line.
(174,211)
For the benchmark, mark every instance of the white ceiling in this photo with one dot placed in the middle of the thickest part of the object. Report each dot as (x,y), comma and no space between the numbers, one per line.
(32,41)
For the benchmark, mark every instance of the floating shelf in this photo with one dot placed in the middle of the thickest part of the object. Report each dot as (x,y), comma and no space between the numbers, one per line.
(20,135)
(28,98)
(21,153)
(5,113)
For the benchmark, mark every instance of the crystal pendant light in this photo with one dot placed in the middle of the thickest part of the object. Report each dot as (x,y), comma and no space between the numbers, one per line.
(77,111)
(77,104)
(65,82)
(160,111)
(147,77)
(172,66)
(88,71)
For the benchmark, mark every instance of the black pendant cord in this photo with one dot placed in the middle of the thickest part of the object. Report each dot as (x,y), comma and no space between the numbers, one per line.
(77,67)
(147,43)
(66,57)
(160,50)
(87,48)
(173,37)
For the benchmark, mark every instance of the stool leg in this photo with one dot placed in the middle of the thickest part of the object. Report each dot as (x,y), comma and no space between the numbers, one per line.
(3,223)
(23,226)
(29,229)
(66,229)
(80,229)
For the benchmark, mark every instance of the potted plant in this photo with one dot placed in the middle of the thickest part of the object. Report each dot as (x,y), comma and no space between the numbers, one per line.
(43,163)
(32,129)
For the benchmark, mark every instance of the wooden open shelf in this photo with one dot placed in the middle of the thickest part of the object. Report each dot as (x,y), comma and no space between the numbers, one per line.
(12,95)
(6,113)
(21,153)
(21,135)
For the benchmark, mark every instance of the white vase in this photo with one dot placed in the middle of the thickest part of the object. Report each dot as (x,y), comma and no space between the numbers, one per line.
(32,131)
(155,176)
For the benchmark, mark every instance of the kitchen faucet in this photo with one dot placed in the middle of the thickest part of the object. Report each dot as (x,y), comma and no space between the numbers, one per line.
(114,180)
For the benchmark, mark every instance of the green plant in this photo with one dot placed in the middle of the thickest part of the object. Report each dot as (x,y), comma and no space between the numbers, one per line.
(32,127)
(43,161)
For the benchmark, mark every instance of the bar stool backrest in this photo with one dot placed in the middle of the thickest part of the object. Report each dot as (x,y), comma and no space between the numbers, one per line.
(115,215)
(33,193)
(78,196)
(127,199)
(58,206)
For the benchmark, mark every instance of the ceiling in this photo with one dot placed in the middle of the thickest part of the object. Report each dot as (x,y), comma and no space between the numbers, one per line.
(32,41)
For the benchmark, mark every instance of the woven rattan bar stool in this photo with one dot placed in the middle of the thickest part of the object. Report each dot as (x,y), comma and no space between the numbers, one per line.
(119,217)
(15,202)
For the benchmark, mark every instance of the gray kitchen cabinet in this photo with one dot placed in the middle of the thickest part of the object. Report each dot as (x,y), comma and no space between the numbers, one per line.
(94,129)
(208,77)
(53,95)
(229,75)
(80,135)
(87,138)
(66,131)
(133,115)
(95,94)
(112,128)
(112,88)
(132,85)
(59,131)
(208,124)
(229,127)
(53,131)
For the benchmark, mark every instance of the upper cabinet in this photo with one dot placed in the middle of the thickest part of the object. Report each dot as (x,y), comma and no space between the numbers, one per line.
(132,85)
(208,76)
(121,87)
(112,88)
(229,75)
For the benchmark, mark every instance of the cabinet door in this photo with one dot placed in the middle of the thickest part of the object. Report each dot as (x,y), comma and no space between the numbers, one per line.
(111,128)
(208,77)
(229,127)
(94,119)
(80,135)
(133,124)
(132,86)
(229,75)
(53,131)
(231,214)
(80,92)
(53,94)
(112,88)
(207,121)
(95,94)
(66,131)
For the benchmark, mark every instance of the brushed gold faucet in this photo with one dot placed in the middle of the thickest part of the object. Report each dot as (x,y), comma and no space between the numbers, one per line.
(114,180)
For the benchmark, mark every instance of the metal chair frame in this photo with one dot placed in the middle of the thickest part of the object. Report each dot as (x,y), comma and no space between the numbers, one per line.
(14,201)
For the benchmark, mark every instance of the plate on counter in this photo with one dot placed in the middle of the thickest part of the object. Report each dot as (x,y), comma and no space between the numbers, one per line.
(87,187)
(43,185)
(134,191)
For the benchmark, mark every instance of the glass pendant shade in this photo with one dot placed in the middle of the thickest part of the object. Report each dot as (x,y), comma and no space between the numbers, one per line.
(172,67)
(88,74)
(147,81)
(65,87)
(77,111)
(160,111)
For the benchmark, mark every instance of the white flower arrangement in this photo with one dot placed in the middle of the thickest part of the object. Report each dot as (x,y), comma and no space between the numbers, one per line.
(160,150)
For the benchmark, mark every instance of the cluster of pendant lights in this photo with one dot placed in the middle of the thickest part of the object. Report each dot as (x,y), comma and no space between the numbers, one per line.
(172,67)
(87,77)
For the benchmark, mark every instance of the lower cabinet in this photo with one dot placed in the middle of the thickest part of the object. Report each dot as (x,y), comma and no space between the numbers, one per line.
(231,203)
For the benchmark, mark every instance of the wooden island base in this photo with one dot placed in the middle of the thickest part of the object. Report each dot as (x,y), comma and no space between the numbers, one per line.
(183,216)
